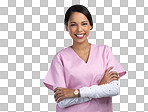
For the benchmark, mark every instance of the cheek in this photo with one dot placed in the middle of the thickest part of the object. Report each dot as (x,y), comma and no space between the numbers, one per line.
(87,30)
(72,31)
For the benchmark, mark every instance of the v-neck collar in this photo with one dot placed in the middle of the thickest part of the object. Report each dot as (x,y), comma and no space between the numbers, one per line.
(89,57)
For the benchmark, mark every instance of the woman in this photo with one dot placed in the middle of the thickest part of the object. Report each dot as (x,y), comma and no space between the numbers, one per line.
(84,76)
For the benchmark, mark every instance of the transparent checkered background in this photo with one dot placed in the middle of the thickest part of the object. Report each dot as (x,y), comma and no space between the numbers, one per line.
(32,31)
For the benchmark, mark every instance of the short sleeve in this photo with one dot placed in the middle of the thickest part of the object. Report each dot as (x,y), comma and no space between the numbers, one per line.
(55,75)
(112,61)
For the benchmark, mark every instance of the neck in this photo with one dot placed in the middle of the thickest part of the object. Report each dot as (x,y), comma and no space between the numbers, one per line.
(81,47)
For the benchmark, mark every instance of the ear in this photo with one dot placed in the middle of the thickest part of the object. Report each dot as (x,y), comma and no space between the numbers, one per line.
(90,27)
(66,27)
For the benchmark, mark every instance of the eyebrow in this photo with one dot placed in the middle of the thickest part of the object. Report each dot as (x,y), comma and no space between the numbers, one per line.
(82,22)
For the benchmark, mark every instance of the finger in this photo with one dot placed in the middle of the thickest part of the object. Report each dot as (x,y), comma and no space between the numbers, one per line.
(55,95)
(58,96)
(60,99)
(58,88)
(114,79)
(58,92)
(113,72)
(116,76)
(55,90)
(108,69)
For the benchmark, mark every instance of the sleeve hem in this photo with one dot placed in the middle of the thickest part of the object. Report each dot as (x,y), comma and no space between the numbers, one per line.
(49,86)
(122,73)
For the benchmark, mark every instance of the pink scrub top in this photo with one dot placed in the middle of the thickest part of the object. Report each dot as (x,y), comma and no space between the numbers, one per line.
(68,70)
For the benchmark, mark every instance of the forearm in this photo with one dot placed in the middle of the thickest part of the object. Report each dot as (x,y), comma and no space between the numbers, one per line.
(71,101)
(95,91)
(105,90)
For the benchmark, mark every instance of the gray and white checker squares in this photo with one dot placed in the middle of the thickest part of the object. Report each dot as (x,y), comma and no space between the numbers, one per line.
(32,31)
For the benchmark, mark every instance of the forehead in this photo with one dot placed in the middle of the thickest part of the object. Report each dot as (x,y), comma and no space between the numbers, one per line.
(77,17)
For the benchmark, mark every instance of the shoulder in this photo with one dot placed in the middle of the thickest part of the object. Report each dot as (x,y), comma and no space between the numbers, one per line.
(102,50)
(102,47)
(63,53)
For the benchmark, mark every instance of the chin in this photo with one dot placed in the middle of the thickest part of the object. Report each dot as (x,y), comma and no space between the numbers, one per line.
(81,40)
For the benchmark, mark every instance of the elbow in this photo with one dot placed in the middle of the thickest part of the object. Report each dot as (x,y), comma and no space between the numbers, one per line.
(116,90)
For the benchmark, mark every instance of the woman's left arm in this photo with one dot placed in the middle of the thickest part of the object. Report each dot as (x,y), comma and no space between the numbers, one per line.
(105,90)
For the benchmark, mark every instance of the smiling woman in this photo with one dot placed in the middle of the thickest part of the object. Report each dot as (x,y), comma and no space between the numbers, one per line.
(84,76)
(78,23)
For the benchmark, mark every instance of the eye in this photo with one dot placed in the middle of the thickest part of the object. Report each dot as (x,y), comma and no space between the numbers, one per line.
(72,25)
(85,24)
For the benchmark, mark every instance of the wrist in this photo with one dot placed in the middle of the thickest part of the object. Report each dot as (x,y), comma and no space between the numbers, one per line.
(76,93)
(79,93)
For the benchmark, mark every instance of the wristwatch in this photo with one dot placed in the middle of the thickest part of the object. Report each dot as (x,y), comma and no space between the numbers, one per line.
(76,92)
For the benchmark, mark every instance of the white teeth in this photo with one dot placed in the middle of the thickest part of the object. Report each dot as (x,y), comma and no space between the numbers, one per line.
(80,35)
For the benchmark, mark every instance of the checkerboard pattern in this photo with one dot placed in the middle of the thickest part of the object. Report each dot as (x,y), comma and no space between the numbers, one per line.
(32,31)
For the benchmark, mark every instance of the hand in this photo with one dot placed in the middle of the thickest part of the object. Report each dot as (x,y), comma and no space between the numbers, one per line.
(108,77)
(63,93)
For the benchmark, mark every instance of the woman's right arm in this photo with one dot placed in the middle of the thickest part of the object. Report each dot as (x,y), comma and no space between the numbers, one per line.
(95,91)
(107,87)
(71,101)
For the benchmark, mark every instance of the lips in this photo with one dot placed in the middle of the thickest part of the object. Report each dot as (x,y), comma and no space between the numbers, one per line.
(80,35)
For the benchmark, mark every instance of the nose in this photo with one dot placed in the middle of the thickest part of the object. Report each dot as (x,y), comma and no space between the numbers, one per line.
(79,28)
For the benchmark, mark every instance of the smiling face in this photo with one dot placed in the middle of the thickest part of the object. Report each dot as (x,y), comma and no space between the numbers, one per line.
(78,24)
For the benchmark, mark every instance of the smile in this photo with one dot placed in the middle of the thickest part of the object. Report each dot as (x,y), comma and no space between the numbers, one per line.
(80,35)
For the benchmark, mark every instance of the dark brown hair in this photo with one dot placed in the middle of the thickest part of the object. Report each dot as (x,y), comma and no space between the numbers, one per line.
(78,8)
